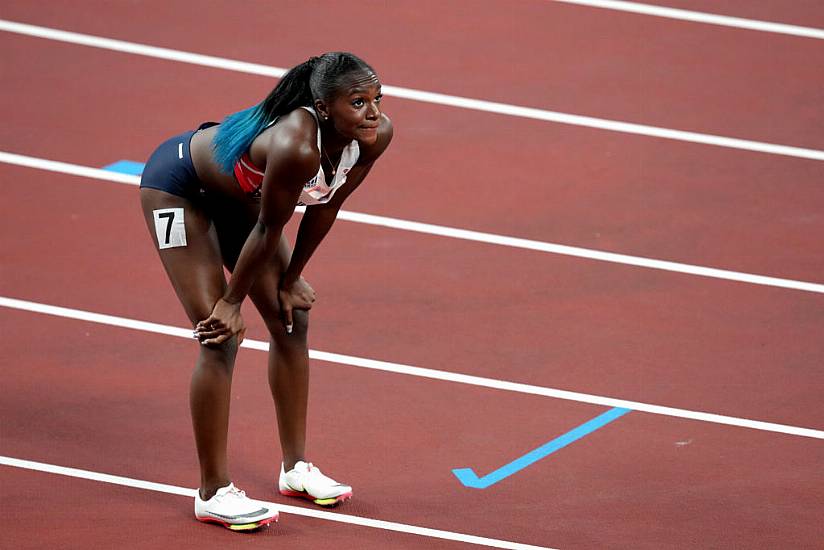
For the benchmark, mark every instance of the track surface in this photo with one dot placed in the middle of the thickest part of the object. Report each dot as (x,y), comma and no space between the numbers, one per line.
(113,400)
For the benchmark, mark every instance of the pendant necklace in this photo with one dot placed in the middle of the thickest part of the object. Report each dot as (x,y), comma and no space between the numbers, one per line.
(334,169)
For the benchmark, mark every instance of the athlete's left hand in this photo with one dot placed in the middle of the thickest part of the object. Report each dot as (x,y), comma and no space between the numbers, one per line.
(298,295)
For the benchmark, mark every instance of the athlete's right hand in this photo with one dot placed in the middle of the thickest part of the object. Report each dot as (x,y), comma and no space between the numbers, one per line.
(224,322)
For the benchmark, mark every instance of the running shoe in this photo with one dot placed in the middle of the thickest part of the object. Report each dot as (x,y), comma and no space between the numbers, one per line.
(231,508)
(306,481)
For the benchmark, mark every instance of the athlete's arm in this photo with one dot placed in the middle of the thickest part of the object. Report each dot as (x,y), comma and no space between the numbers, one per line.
(318,219)
(290,162)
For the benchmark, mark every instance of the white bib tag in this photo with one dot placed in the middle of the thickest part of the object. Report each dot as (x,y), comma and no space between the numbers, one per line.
(170,227)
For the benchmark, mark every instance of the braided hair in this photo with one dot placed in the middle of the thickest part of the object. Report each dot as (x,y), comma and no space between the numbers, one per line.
(315,78)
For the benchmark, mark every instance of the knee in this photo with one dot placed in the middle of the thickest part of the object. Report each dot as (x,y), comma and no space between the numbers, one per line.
(220,355)
(300,328)
(301,321)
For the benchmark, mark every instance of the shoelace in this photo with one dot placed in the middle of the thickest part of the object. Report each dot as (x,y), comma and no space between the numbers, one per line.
(234,492)
(318,475)
(314,472)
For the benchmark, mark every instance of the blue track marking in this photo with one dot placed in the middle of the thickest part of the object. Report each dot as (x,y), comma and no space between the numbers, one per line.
(126,167)
(468,477)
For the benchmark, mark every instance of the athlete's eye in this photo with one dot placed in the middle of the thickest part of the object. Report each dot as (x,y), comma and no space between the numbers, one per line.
(378,98)
(358,103)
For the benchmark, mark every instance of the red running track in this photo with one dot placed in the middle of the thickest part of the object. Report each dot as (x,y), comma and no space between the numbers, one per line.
(113,400)
(640,480)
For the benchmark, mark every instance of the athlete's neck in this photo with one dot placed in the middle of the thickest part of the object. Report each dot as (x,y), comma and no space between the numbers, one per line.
(331,140)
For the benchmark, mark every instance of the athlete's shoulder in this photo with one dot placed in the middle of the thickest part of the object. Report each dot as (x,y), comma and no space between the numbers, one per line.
(292,143)
(296,131)
(370,153)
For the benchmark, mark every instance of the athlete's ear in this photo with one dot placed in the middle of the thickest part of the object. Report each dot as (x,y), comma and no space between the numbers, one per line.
(321,109)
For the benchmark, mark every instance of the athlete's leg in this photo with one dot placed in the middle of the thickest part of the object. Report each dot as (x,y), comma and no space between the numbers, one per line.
(196,272)
(288,360)
(289,382)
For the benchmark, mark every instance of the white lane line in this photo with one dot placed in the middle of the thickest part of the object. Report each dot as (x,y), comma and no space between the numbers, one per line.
(586,253)
(410,370)
(285,508)
(464,234)
(701,17)
(68,168)
(418,95)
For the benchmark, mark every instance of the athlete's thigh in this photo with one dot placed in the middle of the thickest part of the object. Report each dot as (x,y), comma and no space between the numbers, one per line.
(233,220)
(187,243)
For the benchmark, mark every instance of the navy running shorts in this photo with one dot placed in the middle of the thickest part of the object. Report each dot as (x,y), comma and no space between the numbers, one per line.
(170,167)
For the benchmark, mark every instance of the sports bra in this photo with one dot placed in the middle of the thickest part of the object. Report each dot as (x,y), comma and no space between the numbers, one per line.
(316,190)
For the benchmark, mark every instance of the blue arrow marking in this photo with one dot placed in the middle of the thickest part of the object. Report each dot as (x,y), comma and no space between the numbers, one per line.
(468,477)
(126,167)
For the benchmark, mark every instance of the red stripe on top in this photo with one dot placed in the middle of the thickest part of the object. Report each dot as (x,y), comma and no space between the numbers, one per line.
(248,176)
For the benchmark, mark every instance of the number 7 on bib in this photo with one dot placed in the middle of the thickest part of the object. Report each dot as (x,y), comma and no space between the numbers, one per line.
(169,227)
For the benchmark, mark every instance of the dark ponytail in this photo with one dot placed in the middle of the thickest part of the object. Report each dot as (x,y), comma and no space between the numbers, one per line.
(316,78)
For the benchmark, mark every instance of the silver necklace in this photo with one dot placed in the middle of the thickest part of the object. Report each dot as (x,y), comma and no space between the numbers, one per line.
(328,160)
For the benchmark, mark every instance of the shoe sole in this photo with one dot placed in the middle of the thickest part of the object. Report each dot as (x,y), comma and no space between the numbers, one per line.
(238,526)
(332,501)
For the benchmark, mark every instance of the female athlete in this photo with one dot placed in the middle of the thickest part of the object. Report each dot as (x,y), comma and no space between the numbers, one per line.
(221,195)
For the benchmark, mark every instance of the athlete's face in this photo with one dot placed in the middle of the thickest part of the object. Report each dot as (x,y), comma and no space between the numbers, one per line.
(356,111)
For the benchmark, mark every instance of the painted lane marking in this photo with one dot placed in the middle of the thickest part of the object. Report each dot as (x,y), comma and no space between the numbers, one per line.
(68,168)
(464,234)
(421,372)
(468,477)
(701,17)
(307,512)
(418,95)
(126,167)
